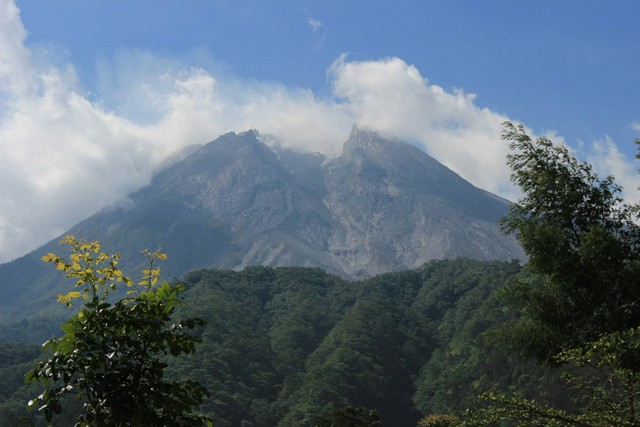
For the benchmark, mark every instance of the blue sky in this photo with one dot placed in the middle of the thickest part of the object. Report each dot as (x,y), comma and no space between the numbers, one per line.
(564,65)
(86,84)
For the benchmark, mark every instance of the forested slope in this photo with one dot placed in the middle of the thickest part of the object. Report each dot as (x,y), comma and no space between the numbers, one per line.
(285,345)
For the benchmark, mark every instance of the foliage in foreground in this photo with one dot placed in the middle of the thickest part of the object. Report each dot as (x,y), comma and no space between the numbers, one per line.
(583,248)
(580,306)
(112,356)
(599,377)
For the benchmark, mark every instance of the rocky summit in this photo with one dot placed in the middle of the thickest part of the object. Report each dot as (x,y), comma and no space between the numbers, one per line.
(383,205)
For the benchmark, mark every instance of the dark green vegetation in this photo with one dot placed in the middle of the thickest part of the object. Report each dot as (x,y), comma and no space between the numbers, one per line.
(583,244)
(15,361)
(578,305)
(286,346)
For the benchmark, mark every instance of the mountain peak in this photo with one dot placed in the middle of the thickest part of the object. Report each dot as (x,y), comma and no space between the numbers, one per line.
(361,140)
(383,205)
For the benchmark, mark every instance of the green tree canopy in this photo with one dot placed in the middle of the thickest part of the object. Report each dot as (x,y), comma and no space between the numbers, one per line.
(112,355)
(583,248)
(579,303)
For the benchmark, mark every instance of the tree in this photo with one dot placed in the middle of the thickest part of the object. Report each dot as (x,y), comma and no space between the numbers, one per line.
(583,248)
(438,420)
(579,305)
(350,416)
(605,388)
(113,354)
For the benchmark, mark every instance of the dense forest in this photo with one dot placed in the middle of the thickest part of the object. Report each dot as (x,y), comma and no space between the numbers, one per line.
(284,346)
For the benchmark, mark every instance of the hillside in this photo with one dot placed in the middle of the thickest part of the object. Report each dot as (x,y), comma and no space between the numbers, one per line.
(284,345)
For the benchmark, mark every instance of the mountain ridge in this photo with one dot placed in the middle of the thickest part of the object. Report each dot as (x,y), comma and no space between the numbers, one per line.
(382,206)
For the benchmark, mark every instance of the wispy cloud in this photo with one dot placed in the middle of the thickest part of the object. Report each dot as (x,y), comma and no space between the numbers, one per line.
(319,30)
(315,24)
(64,155)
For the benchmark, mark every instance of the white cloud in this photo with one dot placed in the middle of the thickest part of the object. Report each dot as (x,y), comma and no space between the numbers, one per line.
(14,57)
(62,157)
(606,159)
(65,154)
(391,96)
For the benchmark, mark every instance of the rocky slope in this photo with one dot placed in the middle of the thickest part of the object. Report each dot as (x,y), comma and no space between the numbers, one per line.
(383,205)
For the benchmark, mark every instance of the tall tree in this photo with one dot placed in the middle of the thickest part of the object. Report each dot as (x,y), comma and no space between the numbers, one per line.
(580,303)
(583,245)
(113,355)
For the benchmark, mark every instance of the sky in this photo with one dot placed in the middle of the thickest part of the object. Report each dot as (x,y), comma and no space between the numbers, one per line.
(96,94)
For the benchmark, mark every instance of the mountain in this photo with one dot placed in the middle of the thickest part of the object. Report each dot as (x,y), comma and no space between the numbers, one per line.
(383,205)
(399,208)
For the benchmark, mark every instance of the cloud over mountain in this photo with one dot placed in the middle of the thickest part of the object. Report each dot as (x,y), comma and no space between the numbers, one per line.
(66,152)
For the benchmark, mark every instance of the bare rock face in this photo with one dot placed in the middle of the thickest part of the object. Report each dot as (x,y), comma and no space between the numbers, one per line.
(398,208)
(383,205)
